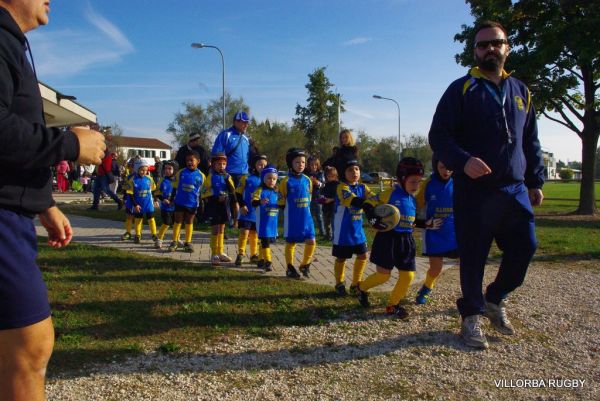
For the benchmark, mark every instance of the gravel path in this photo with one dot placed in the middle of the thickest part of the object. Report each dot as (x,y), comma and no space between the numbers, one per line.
(557,345)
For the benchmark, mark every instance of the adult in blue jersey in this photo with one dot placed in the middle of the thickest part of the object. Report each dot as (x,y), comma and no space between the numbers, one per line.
(29,148)
(235,144)
(485,130)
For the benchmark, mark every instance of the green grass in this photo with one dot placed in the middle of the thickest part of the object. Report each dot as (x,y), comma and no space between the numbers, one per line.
(108,304)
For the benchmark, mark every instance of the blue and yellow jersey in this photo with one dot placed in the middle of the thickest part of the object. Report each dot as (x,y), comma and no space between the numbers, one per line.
(295,194)
(188,184)
(246,187)
(217,184)
(435,200)
(127,198)
(267,215)
(347,220)
(405,202)
(141,188)
(164,192)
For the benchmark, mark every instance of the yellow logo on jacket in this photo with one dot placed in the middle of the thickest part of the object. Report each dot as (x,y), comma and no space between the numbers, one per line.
(520,103)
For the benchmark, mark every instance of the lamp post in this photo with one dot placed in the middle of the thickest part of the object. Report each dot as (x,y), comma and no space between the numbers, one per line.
(339,109)
(399,138)
(201,46)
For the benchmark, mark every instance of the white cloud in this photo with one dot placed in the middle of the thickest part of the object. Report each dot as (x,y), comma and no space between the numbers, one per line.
(68,51)
(357,41)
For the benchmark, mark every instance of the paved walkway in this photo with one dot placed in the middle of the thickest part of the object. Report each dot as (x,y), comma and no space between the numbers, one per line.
(107,233)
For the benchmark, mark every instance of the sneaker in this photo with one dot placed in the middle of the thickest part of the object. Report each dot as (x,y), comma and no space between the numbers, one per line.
(291,272)
(423,295)
(260,264)
(254,259)
(268,267)
(154,238)
(225,258)
(498,319)
(125,237)
(363,297)
(354,290)
(137,239)
(238,260)
(471,332)
(305,270)
(340,289)
(173,246)
(398,311)
(158,243)
(188,247)
(180,244)
(215,261)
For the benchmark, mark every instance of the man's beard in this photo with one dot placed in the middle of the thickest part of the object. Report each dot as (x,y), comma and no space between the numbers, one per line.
(490,62)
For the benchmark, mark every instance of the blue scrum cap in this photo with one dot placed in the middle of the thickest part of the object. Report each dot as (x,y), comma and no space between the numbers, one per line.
(241,116)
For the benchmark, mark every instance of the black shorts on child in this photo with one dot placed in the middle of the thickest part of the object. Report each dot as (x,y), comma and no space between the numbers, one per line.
(216,212)
(166,217)
(452,254)
(246,225)
(346,251)
(184,209)
(393,249)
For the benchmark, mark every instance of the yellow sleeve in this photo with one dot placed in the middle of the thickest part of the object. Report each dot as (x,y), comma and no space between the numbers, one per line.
(282,191)
(344,194)
(129,186)
(230,185)
(241,185)
(207,190)
(378,199)
(256,194)
(421,194)
(176,180)
(152,184)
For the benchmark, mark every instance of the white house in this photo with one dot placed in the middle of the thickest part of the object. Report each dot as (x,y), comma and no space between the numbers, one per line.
(146,148)
(550,172)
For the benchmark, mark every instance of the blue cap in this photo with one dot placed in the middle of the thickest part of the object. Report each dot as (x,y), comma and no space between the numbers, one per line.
(241,116)
(267,170)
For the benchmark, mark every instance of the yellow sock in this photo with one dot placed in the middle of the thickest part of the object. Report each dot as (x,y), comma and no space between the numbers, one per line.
(358,270)
(430,281)
(290,248)
(189,230)
(152,224)
(374,280)
(268,257)
(138,227)
(128,225)
(309,251)
(162,231)
(339,270)
(176,231)
(221,243)
(213,244)
(242,240)
(253,239)
(401,287)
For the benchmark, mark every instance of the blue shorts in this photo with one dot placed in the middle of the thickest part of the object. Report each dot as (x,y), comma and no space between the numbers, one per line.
(393,249)
(23,294)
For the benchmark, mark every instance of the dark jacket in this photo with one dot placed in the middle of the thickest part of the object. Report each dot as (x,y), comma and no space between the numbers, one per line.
(27,147)
(183,151)
(338,160)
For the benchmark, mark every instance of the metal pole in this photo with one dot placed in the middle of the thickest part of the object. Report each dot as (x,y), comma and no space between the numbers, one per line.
(399,136)
(201,46)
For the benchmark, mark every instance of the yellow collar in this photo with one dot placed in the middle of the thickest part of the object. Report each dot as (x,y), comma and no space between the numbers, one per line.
(475,72)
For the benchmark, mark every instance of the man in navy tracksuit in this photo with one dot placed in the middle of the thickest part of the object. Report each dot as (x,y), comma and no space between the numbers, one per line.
(485,130)
(27,151)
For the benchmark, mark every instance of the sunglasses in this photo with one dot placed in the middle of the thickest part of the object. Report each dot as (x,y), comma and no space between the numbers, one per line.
(483,44)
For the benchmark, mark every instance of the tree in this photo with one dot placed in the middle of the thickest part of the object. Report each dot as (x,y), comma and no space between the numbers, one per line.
(206,121)
(113,134)
(555,51)
(273,139)
(598,164)
(417,146)
(318,120)
(566,174)
(378,155)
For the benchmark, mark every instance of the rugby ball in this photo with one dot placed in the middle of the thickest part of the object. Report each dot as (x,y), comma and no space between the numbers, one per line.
(390,215)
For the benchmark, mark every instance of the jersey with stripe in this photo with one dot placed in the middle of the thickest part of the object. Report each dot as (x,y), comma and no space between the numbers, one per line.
(164,192)
(217,184)
(128,201)
(141,188)
(406,204)
(267,216)
(189,184)
(295,193)
(348,220)
(434,201)
(246,188)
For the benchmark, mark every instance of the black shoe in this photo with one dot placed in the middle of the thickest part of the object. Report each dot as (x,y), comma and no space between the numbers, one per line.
(354,290)
(305,270)
(291,272)
(363,298)
(268,267)
(260,264)
(398,311)
(340,289)
(137,239)
(238,260)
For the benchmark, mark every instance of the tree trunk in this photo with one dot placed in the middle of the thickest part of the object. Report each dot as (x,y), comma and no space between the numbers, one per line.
(587,197)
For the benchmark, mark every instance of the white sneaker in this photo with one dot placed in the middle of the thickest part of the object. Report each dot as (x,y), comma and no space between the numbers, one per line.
(158,243)
(224,258)
(215,260)
(472,333)
(498,319)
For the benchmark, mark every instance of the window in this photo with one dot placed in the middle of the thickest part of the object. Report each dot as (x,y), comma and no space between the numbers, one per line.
(163,154)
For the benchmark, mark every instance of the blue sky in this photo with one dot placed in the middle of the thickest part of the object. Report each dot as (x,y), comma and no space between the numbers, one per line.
(131,62)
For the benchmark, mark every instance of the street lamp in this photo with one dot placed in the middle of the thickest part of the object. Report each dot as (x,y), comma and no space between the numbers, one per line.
(201,46)
(399,139)
(339,109)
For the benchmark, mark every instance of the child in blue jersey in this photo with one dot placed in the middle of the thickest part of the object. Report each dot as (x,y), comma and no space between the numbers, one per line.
(219,197)
(348,234)
(298,226)
(139,190)
(126,200)
(247,216)
(265,201)
(186,197)
(167,208)
(435,205)
(395,248)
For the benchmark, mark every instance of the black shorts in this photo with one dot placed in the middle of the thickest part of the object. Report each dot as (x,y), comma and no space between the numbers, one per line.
(346,251)
(265,242)
(184,209)
(393,249)
(167,217)
(452,254)
(216,213)
(246,225)
(148,215)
